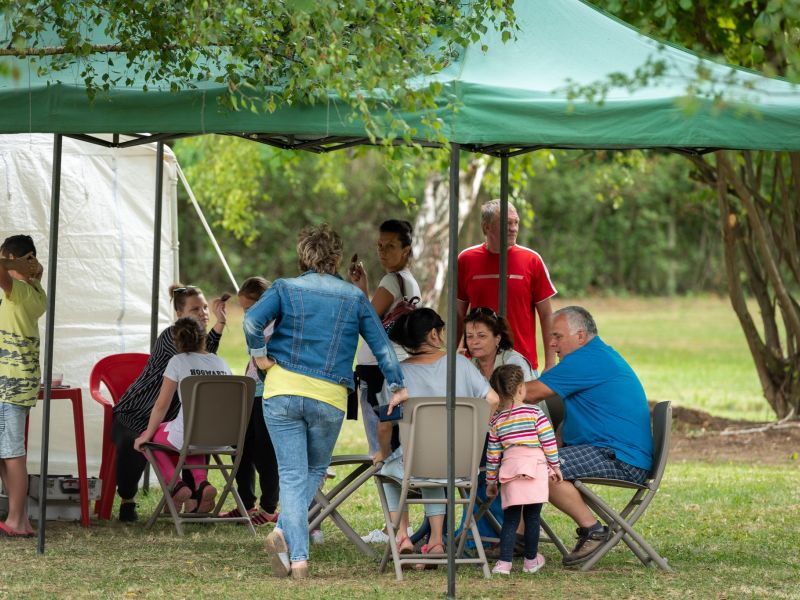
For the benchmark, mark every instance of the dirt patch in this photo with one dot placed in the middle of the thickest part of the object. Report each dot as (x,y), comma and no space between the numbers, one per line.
(697,435)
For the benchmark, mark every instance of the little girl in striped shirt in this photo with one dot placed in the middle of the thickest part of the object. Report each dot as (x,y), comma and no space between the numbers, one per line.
(522,450)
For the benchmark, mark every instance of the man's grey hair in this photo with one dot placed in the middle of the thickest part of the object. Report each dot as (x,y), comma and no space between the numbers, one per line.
(491,209)
(578,318)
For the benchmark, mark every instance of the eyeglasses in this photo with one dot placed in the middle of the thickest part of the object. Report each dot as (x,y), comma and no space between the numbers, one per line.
(483,310)
(187,289)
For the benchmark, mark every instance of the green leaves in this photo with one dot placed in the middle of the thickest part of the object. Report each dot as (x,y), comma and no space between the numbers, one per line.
(366,52)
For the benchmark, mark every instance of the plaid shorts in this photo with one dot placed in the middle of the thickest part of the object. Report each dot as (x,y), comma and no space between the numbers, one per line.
(592,461)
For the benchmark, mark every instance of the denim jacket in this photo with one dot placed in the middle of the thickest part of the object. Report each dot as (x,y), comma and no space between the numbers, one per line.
(318,319)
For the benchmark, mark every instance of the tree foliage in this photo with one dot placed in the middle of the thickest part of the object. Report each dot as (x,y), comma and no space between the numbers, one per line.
(369,53)
(758,194)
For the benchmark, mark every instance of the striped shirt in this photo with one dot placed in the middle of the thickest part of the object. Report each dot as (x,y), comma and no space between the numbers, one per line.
(524,425)
(134,408)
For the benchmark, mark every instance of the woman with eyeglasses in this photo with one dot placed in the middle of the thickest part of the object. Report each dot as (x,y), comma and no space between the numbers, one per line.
(488,338)
(132,412)
(394,253)
(421,333)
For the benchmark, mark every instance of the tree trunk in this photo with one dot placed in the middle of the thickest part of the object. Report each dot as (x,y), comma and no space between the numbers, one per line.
(430,229)
(758,210)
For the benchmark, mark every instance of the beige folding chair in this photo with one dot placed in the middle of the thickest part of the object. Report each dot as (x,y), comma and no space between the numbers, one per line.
(326,504)
(424,442)
(621,523)
(216,411)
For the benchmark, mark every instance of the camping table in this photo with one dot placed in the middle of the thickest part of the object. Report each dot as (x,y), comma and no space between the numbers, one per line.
(326,503)
(73,394)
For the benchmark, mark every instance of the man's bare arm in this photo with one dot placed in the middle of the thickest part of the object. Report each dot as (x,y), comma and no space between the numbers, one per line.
(545,312)
(536,391)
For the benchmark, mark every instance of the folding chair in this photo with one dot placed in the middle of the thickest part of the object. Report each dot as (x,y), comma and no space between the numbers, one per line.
(326,504)
(216,411)
(425,458)
(621,523)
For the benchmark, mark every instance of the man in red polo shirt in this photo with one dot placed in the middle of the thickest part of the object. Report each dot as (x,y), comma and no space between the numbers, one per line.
(529,285)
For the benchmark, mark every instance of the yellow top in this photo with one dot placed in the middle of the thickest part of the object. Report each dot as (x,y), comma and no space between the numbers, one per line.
(19,342)
(281,382)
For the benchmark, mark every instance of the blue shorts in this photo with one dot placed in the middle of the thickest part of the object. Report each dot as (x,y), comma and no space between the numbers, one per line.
(12,430)
(592,461)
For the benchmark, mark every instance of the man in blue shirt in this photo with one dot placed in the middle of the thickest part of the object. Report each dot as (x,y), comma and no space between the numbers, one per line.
(606,430)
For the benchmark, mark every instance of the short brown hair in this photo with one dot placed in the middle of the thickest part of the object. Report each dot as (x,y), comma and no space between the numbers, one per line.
(254,287)
(319,248)
(494,323)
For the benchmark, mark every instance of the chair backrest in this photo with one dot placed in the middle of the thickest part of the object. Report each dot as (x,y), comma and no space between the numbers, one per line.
(423,435)
(554,408)
(662,434)
(117,372)
(216,409)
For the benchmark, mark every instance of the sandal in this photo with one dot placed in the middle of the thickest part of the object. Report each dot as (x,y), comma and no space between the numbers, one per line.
(181,495)
(430,549)
(205,496)
(405,545)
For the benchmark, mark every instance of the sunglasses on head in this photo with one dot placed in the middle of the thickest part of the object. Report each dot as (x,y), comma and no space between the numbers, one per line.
(184,290)
(483,310)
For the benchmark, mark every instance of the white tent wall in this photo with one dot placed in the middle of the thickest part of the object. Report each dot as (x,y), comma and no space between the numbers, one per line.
(105,257)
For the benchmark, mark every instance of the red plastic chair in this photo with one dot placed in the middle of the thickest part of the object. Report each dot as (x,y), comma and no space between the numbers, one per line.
(117,372)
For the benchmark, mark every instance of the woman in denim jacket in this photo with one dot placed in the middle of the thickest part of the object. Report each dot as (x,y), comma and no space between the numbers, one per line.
(318,318)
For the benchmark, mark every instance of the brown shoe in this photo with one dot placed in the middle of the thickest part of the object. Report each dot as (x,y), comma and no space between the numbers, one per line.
(588,544)
(275,545)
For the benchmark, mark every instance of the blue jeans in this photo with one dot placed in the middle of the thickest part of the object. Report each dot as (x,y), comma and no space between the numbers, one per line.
(304,433)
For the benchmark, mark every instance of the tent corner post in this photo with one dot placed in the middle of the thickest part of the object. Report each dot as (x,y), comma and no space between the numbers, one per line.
(502,299)
(452,342)
(52,262)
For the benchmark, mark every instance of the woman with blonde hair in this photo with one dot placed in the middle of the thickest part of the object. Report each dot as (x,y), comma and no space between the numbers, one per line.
(318,318)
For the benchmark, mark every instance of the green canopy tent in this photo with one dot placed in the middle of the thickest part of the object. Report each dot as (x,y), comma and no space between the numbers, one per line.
(515,97)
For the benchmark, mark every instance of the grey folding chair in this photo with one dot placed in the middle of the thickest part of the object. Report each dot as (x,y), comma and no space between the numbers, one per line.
(620,523)
(326,504)
(422,436)
(216,411)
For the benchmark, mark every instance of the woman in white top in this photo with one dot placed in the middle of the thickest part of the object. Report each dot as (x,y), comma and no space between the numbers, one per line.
(192,359)
(394,252)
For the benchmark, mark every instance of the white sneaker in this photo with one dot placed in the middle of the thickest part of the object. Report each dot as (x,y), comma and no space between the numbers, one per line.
(317,537)
(376,536)
(379,536)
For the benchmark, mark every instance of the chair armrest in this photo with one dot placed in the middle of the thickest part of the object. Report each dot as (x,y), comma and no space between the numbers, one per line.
(610,482)
(350,459)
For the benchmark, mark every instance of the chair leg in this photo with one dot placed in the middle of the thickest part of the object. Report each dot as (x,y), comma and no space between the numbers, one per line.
(167,497)
(625,529)
(108,490)
(553,537)
(391,545)
(228,472)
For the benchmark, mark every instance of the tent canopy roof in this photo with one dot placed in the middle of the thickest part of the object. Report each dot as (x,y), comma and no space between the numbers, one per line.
(512,97)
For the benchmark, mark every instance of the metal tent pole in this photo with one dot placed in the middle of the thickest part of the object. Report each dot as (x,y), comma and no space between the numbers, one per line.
(452,344)
(156,264)
(48,340)
(503,287)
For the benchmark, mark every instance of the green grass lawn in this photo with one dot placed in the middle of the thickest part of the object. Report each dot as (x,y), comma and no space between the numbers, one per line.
(729,531)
